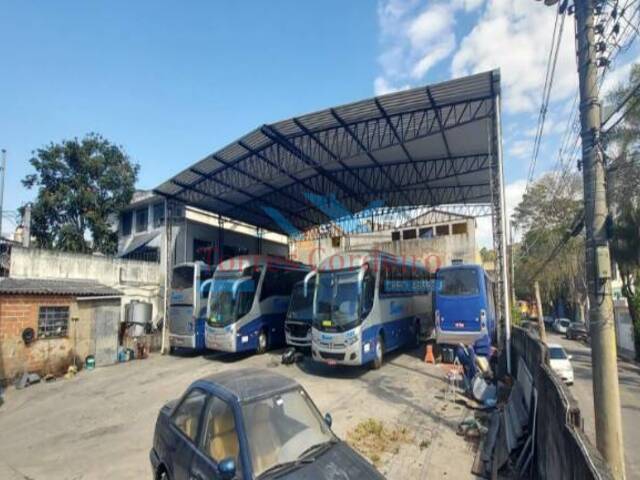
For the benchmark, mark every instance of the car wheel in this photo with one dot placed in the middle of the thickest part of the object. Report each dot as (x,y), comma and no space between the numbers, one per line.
(263,342)
(379,358)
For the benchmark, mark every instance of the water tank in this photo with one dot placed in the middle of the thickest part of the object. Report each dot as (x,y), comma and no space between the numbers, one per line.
(138,316)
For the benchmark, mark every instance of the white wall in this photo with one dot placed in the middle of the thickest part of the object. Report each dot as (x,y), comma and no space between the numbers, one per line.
(137,280)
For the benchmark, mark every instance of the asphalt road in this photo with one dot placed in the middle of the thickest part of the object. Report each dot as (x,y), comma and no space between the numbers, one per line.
(629,378)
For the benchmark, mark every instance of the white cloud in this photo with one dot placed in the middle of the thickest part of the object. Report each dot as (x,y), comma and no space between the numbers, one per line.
(520,149)
(381,86)
(515,36)
(512,195)
(415,36)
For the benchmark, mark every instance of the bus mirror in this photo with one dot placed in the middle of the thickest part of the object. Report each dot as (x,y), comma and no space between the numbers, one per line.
(308,277)
(205,287)
(361,275)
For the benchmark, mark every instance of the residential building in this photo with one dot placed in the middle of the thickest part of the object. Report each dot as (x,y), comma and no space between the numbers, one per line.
(195,234)
(436,238)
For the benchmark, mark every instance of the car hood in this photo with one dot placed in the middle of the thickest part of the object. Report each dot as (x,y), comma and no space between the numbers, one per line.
(340,462)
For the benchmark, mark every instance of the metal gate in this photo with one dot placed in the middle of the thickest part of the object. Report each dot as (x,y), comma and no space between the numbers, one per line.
(107,319)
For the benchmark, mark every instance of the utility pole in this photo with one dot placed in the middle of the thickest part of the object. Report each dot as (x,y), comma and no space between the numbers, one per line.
(606,395)
(543,332)
(3,168)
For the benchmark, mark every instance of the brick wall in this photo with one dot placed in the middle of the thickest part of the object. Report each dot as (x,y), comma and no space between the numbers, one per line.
(43,356)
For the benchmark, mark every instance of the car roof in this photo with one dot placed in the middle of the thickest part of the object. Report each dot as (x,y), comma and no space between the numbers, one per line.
(248,384)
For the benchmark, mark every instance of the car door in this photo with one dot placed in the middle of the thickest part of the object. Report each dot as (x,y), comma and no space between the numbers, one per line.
(185,426)
(219,441)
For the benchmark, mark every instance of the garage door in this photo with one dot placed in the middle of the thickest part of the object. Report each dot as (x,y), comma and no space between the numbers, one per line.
(107,318)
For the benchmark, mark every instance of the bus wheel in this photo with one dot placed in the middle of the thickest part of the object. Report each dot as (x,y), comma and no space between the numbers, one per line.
(262,341)
(377,361)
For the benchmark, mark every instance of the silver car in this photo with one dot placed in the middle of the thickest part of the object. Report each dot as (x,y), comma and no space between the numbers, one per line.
(560,325)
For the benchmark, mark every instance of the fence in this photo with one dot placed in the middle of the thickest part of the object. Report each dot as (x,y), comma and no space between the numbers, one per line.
(562,449)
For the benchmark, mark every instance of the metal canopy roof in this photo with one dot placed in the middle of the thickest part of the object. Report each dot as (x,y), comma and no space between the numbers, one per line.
(427,146)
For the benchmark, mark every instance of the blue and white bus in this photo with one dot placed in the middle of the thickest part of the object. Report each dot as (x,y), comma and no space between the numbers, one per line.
(367,303)
(190,284)
(297,324)
(465,307)
(248,302)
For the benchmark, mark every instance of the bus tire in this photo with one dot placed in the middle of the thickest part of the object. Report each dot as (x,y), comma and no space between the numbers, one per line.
(379,358)
(263,342)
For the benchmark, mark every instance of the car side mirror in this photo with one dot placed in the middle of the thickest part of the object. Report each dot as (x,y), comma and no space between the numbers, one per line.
(227,469)
(328,419)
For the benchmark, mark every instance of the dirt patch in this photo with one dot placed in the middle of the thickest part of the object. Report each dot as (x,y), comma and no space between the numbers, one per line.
(374,439)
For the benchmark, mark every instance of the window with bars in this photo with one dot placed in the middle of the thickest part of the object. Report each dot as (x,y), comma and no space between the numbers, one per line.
(53,322)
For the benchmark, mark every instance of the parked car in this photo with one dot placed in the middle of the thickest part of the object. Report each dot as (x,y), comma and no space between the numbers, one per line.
(560,325)
(577,331)
(560,363)
(250,424)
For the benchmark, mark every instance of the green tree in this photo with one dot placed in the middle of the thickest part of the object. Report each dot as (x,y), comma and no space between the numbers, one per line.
(82,185)
(623,188)
(545,215)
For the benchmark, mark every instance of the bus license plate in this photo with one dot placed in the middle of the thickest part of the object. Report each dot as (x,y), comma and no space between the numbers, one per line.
(459,324)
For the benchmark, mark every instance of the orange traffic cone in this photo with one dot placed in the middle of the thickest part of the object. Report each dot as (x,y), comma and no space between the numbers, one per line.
(428,356)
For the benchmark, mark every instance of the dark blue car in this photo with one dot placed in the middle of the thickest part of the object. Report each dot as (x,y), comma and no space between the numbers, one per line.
(250,424)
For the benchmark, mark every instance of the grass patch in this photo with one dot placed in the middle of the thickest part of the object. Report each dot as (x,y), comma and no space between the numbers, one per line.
(373,439)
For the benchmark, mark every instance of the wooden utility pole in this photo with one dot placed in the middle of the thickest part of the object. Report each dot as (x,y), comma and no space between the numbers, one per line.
(543,332)
(606,394)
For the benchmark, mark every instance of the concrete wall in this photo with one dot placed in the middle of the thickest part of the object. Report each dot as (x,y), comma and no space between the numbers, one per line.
(137,280)
(562,448)
(624,329)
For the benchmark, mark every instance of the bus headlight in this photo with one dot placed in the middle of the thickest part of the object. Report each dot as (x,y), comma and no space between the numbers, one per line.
(483,319)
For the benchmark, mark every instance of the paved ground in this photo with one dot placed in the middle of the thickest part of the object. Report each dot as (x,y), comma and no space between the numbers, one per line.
(629,377)
(100,424)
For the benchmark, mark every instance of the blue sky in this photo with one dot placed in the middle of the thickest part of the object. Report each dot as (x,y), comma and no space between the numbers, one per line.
(174,81)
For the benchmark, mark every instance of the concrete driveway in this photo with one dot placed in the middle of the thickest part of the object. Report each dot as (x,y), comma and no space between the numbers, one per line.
(100,423)
(629,378)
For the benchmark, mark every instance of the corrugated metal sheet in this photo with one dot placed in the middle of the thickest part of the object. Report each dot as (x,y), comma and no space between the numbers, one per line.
(37,286)
(345,150)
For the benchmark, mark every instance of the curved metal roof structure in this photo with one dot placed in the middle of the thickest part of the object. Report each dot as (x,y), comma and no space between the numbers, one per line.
(428,146)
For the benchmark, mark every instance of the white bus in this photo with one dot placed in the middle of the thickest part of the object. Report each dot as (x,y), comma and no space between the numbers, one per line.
(248,301)
(367,303)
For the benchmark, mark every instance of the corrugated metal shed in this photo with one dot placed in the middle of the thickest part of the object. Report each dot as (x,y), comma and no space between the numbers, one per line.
(37,286)
(428,146)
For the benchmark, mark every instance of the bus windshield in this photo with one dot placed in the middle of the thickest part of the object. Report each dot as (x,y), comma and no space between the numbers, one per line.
(182,277)
(230,298)
(301,307)
(457,282)
(337,299)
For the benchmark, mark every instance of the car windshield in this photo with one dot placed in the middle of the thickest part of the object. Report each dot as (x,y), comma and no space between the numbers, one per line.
(457,282)
(301,307)
(282,428)
(564,322)
(230,298)
(336,300)
(557,353)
